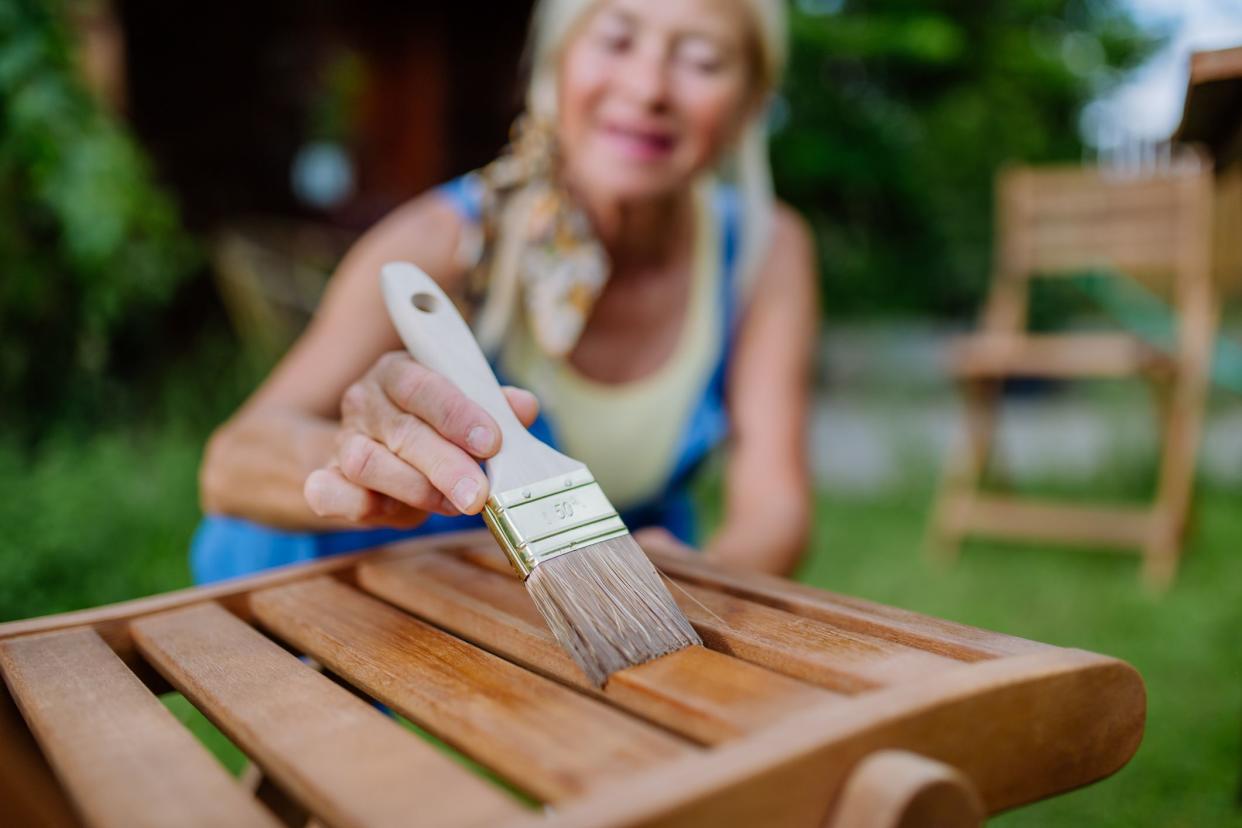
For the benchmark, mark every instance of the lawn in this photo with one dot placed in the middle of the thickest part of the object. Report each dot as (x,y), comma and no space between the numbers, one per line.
(88,520)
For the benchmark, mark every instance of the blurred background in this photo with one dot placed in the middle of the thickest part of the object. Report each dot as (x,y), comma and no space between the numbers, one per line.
(178,180)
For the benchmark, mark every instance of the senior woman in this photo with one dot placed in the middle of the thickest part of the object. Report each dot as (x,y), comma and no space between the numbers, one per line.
(624,260)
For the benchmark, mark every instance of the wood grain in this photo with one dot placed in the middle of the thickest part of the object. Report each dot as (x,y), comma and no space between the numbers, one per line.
(122,757)
(932,635)
(543,737)
(338,756)
(980,720)
(28,789)
(707,696)
(111,622)
(841,660)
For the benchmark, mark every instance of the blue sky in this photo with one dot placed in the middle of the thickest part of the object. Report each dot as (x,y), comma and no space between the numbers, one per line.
(1148,104)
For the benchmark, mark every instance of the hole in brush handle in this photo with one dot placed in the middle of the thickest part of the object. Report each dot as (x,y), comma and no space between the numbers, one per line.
(425,302)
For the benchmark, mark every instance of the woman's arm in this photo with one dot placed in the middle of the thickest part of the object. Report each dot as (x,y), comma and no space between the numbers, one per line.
(255,465)
(767,487)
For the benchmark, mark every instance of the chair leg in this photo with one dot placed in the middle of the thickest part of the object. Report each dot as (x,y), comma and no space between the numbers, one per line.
(1161,555)
(1183,413)
(964,469)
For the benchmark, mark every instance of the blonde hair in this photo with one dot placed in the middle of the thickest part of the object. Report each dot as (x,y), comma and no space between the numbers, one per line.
(746,165)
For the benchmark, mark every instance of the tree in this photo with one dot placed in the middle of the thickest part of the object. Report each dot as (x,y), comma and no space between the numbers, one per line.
(896,115)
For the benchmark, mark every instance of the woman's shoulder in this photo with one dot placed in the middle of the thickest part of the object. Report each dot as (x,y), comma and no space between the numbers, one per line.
(790,258)
(443,210)
(790,228)
(427,229)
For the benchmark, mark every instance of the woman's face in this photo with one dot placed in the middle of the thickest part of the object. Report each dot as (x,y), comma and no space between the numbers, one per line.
(650,92)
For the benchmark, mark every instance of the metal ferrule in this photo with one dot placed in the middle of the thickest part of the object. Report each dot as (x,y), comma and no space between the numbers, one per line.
(538,522)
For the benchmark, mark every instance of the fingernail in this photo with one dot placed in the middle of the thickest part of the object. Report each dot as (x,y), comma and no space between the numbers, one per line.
(464,493)
(480,439)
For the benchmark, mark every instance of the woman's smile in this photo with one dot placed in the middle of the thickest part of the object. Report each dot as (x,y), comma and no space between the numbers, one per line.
(637,142)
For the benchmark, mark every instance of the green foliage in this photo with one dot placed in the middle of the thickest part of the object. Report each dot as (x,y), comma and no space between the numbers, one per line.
(89,245)
(897,115)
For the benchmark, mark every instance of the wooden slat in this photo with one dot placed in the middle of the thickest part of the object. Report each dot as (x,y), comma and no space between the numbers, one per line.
(331,751)
(1149,259)
(1034,192)
(923,632)
(122,757)
(707,696)
(1102,208)
(543,737)
(933,635)
(28,790)
(1055,355)
(1123,528)
(112,621)
(841,660)
(1064,220)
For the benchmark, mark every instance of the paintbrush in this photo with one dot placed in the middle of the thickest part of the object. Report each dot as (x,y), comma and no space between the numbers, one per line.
(600,595)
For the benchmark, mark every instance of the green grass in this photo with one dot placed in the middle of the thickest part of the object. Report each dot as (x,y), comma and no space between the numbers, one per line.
(1185,644)
(91,521)
(96,519)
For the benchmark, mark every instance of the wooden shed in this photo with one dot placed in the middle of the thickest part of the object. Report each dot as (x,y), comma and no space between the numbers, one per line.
(1213,118)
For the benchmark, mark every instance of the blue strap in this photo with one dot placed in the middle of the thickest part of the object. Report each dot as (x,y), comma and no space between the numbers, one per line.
(466,194)
(709,423)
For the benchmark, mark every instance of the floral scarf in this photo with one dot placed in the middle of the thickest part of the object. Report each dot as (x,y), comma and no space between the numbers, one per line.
(533,240)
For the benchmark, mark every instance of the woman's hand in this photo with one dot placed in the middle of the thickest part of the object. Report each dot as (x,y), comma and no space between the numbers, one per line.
(409,444)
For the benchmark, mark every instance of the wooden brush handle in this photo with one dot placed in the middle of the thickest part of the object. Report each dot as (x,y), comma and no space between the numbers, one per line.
(436,336)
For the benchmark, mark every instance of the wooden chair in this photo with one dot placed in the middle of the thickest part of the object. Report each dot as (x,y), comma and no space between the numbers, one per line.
(1057,221)
(803,709)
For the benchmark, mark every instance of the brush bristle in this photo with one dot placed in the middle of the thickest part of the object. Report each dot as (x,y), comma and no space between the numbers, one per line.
(608,607)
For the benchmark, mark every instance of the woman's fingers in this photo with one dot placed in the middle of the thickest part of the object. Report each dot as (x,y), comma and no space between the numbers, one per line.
(524,404)
(331,495)
(410,435)
(369,464)
(413,444)
(449,469)
(435,400)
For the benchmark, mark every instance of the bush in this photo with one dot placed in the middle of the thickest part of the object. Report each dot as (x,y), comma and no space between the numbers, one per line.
(89,244)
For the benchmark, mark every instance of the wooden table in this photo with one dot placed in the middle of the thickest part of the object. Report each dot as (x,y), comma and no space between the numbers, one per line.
(805,708)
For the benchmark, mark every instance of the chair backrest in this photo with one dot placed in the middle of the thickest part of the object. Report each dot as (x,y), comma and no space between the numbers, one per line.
(1062,220)
(1154,227)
